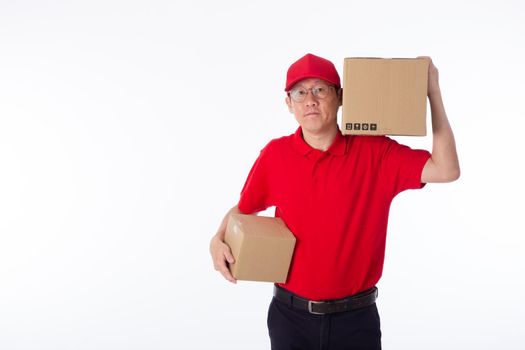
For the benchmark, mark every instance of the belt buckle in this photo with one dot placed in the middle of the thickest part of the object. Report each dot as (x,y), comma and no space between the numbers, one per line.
(310,310)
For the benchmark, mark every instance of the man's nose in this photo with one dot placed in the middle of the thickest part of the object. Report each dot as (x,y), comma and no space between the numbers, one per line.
(311,100)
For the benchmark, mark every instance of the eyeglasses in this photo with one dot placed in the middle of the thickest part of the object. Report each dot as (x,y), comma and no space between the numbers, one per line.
(319,91)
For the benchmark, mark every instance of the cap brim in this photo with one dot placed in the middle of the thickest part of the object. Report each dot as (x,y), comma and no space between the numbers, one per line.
(295,81)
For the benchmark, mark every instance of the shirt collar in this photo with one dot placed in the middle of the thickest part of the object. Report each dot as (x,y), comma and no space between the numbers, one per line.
(337,148)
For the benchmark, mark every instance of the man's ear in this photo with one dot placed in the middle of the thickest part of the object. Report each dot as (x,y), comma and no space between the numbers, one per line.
(289,104)
(340,96)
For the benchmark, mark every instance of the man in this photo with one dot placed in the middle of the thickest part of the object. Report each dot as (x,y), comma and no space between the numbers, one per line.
(334,193)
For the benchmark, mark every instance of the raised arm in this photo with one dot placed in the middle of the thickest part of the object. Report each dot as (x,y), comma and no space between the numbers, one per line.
(443,166)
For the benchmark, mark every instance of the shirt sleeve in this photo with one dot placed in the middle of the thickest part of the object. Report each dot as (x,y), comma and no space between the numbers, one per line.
(401,166)
(254,194)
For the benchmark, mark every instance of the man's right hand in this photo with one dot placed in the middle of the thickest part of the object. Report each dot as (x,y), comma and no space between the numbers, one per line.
(222,255)
(220,251)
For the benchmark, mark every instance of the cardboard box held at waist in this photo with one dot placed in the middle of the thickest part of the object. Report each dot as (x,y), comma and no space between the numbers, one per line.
(384,96)
(262,248)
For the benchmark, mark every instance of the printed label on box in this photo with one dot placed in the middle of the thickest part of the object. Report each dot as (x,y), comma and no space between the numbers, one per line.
(361,126)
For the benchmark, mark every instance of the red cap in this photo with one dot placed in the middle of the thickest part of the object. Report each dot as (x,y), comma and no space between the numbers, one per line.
(311,66)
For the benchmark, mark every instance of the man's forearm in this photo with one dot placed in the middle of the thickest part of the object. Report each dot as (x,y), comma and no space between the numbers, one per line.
(444,153)
(222,228)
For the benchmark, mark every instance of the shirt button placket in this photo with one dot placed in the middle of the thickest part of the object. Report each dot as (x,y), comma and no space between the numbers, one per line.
(315,168)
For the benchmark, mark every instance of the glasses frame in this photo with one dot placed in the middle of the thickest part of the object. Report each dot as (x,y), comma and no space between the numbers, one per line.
(311,90)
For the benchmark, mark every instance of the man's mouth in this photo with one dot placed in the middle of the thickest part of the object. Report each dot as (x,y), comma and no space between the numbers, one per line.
(312,113)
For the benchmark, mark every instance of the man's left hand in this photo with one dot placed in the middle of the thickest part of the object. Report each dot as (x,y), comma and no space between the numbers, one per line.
(433,76)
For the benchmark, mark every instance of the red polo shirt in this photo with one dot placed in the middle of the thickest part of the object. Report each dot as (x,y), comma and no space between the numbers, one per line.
(336,203)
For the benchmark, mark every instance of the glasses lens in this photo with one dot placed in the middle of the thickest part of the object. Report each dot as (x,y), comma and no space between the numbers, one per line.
(299,94)
(320,91)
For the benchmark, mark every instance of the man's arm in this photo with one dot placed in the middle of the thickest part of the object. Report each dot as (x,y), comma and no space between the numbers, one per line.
(220,251)
(443,166)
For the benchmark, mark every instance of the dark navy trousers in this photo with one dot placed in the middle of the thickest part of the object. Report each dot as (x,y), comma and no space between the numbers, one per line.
(292,329)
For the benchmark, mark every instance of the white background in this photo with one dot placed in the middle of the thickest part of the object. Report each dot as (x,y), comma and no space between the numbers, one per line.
(127,129)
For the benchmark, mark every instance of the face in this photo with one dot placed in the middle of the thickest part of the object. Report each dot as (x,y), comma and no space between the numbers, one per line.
(315,115)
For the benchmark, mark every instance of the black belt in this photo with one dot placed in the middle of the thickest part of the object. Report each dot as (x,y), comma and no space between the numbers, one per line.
(353,302)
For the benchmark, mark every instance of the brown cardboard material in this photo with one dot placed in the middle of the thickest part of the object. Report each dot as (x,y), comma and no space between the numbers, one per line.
(262,247)
(384,96)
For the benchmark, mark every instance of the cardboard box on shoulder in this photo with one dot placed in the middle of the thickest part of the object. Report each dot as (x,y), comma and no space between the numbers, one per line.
(384,96)
(262,248)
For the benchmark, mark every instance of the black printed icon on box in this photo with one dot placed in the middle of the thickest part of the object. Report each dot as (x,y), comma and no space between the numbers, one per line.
(364,126)
(357,126)
(348,126)
(373,126)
